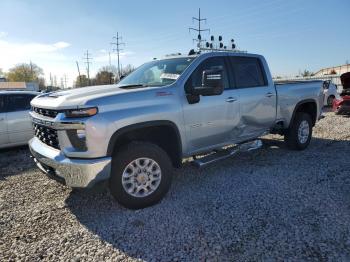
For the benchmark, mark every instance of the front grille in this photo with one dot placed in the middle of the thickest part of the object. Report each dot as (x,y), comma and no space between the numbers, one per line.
(45,112)
(46,135)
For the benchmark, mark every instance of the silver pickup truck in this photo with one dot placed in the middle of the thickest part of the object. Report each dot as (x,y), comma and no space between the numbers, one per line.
(132,134)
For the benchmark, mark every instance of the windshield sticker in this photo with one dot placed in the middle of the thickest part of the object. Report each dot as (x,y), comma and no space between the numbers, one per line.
(169,76)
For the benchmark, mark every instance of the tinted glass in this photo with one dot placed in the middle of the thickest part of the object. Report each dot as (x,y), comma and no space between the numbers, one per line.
(208,64)
(2,104)
(247,72)
(18,102)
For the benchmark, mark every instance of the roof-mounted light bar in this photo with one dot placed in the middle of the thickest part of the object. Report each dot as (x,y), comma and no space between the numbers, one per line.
(219,46)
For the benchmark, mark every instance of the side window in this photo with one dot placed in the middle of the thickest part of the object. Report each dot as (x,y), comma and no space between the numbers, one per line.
(18,102)
(248,72)
(210,63)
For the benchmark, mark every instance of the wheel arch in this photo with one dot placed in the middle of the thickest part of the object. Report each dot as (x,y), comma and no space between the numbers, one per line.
(164,133)
(308,106)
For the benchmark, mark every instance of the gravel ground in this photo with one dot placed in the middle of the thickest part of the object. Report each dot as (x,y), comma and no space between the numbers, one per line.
(272,204)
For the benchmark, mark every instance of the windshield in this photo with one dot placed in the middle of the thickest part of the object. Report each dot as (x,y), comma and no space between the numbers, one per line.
(157,72)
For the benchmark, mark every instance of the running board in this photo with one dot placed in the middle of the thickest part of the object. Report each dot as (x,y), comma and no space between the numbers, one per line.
(223,154)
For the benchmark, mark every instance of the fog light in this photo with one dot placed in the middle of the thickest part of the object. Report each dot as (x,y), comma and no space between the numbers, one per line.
(77,139)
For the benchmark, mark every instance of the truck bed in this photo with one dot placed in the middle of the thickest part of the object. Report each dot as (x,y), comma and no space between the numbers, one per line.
(290,93)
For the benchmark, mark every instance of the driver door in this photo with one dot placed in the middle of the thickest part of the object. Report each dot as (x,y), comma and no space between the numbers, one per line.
(209,123)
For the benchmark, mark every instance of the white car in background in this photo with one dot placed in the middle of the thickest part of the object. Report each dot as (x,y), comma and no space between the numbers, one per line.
(330,92)
(15,123)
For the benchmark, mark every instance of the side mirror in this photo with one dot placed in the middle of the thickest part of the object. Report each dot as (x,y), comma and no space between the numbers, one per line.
(212,83)
(325,85)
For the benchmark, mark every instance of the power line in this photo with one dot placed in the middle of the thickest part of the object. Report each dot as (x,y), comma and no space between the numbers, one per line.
(199,30)
(117,48)
(87,62)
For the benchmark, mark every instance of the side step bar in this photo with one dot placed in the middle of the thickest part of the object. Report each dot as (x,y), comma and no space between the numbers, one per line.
(223,154)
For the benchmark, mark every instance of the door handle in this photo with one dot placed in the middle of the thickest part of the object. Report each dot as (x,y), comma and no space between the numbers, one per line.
(269,94)
(231,99)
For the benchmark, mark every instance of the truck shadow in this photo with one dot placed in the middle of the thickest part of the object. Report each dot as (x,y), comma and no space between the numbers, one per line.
(223,211)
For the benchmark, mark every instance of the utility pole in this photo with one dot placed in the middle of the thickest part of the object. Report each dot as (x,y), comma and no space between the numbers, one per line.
(199,30)
(117,48)
(110,68)
(79,73)
(51,81)
(87,62)
(65,81)
(31,71)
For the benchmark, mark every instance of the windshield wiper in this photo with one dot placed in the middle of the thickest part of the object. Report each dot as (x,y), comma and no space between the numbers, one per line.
(132,86)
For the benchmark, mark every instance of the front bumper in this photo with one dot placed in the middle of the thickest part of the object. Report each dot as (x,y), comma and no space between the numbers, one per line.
(77,173)
(342,110)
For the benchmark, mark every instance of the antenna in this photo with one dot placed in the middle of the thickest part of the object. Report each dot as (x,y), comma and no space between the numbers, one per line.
(87,62)
(117,44)
(199,30)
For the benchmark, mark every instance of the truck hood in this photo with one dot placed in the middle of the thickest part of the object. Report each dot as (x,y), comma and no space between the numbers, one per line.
(345,80)
(78,97)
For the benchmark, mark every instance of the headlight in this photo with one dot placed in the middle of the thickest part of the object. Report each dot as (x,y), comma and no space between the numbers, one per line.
(83,112)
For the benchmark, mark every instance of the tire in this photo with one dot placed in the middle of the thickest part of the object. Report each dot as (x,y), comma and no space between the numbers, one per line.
(293,139)
(126,175)
(330,100)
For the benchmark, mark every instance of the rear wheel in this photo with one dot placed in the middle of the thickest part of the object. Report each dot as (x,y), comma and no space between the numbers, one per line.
(141,175)
(299,134)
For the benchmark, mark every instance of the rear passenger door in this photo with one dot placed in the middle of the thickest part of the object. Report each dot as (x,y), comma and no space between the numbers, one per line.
(257,96)
(18,119)
(3,123)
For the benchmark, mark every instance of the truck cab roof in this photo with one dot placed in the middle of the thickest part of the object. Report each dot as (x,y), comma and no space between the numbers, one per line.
(208,53)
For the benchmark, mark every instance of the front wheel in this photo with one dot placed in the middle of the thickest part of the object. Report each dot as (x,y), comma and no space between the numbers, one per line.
(299,134)
(330,100)
(141,175)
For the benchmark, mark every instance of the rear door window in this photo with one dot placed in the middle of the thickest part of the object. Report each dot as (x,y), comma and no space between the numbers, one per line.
(247,72)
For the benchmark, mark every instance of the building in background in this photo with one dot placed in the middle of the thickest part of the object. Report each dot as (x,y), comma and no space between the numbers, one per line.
(335,70)
(28,86)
